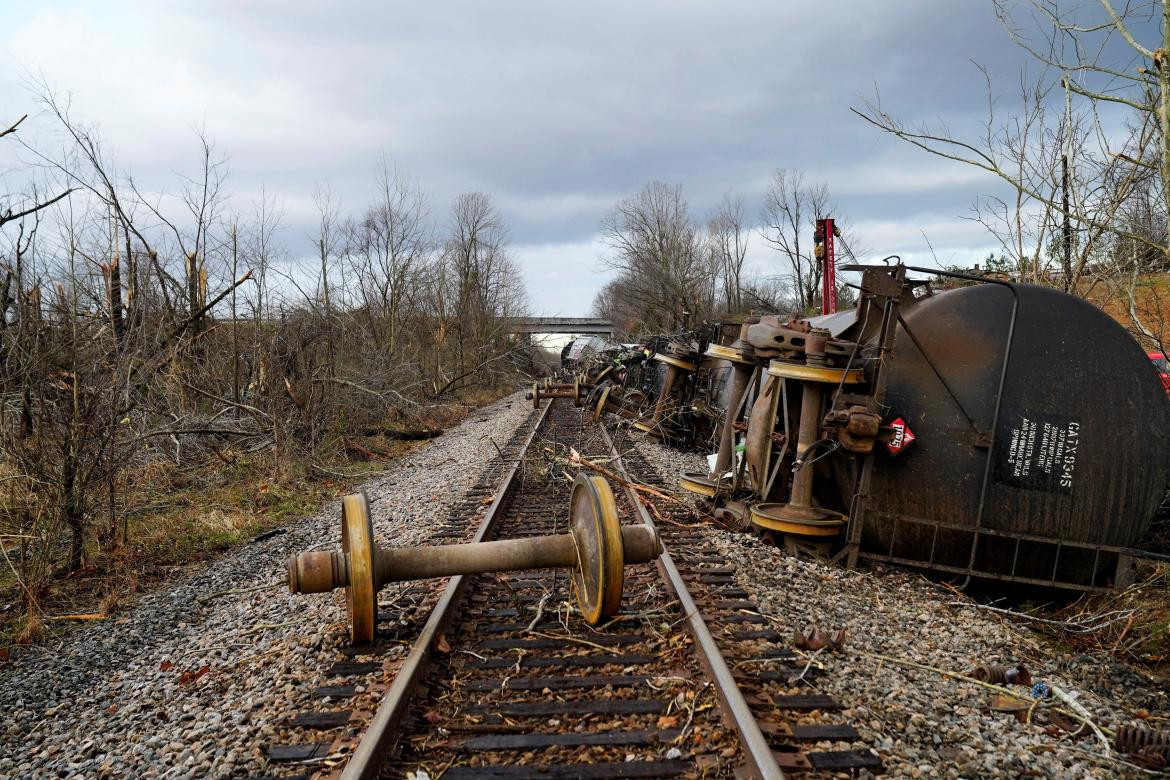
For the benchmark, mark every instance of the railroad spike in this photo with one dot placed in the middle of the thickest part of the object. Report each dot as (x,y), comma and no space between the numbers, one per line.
(597,549)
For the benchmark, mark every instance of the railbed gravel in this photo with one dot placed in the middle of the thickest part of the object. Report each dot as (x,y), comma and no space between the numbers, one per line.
(921,723)
(111,700)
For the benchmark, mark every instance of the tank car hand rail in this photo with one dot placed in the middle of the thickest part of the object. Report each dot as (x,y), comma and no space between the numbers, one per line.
(1148,555)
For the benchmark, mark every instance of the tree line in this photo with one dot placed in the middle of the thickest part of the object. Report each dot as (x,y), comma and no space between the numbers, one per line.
(674,270)
(138,327)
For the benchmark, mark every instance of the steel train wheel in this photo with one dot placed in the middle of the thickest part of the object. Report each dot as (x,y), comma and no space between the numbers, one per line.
(732,354)
(781,518)
(357,542)
(597,580)
(676,362)
(700,483)
(807,373)
(600,408)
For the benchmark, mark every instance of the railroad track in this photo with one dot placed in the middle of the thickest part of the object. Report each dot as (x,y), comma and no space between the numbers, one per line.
(776,693)
(506,680)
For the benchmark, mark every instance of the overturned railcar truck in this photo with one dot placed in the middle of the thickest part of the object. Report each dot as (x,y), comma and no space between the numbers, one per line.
(994,431)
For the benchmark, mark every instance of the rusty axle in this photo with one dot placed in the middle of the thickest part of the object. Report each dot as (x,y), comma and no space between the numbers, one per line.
(596,550)
(321,571)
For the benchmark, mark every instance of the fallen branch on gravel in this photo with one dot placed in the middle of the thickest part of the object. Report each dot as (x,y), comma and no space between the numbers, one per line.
(1116,760)
(774,660)
(539,611)
(543,635)
(944,672)
(664,679)
(661,518)
(576,459)
(1085,716)
(807,666)
(1089,625)
(1075,711)
(691,714)
(1124,631)
(476,655)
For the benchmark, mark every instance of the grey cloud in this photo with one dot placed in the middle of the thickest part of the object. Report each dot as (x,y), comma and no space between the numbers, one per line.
(556,109)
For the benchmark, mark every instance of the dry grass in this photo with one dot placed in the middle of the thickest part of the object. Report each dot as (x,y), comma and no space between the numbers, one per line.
(30,628)
(1138,629)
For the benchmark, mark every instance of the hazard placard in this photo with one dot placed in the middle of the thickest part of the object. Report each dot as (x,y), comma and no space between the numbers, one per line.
(903,437)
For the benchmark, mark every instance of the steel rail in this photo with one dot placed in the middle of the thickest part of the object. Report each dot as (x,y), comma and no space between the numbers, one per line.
(756,750)
(366,760)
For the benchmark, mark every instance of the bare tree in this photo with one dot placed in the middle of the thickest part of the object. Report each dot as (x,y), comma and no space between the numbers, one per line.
(126,313)
(10,213)
(386,245)
(485,279)
(330,245)
(791,207)
(1065,198)
(663,269)
(727,234)
(614,303)
(1067,167)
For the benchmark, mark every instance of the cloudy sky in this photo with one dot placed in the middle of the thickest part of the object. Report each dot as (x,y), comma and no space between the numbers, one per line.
(556,109)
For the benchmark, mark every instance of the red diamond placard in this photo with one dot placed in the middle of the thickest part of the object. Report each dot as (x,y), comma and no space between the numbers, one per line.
(903,437)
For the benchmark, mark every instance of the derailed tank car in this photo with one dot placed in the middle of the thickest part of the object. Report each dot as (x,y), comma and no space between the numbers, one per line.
(995,431)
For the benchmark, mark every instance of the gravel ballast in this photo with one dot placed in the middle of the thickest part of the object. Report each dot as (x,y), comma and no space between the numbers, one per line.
(184,687)
(922,723)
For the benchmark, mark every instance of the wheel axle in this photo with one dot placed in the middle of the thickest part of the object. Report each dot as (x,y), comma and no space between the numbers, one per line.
(549,390)
(597,549)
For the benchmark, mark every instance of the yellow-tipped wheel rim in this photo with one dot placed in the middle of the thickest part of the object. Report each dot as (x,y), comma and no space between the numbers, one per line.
(808,373)
(700,484)
(600,408)
(357,542)
(649,428)
(773,517)
(720,352)
(597,533)
(670,360)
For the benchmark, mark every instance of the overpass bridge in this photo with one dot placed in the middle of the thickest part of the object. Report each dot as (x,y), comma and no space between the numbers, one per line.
(574,325)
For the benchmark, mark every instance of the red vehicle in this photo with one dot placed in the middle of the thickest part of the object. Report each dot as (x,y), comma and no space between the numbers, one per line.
(1163,365)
